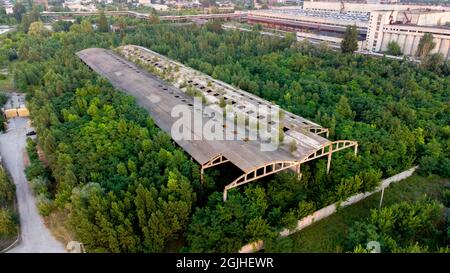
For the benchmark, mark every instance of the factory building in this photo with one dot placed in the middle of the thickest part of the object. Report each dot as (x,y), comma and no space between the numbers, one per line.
(362,7)
(319,25)
(407,28)
(377,22)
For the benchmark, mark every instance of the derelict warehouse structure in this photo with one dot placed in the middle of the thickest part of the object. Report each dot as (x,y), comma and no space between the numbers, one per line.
(303,140)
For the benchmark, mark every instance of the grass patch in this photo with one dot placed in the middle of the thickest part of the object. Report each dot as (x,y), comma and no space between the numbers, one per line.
(329,234)
(6,85)
(57,223)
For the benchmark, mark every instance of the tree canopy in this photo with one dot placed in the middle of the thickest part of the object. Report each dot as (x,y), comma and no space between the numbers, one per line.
(126,187)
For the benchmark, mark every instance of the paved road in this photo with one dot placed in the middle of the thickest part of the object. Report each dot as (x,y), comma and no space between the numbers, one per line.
(35,237)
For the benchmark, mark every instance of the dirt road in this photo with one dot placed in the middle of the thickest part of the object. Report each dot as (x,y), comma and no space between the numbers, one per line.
(35,237)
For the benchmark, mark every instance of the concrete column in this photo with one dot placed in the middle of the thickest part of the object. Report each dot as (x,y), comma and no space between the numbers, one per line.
(448,51)
(401,40)
(202,174)
(438,45)
(299,174)
(415,44)
(384,41)
(407,48)
(224,194)
(445,46)
(330,153)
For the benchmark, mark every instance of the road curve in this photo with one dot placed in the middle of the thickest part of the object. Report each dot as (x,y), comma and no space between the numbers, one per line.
(35,237)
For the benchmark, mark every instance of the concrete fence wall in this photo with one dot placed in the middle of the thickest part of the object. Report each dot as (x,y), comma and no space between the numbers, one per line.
(329,210)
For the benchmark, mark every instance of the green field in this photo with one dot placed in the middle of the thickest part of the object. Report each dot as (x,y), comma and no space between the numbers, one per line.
(329,234)
(6,84)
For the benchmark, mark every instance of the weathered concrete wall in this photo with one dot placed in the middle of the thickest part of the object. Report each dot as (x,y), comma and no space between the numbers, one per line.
(329,210)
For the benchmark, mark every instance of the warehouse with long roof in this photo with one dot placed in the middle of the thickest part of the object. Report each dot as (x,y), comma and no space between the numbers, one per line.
(303,140)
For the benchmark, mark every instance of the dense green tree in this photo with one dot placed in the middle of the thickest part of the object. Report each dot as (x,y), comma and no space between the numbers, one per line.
(153,17)
(214,26)
(8,227)
(102,22)
(433,62)
(394,49)
(402,227)
(61,25)
(426,45)
(86,26)
(37,28)
(349,43)
(7,191)
(18,11)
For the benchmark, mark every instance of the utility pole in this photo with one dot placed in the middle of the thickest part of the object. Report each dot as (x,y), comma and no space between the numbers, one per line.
(382,195)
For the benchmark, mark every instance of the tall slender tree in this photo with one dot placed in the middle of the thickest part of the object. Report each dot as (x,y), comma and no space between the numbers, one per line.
(18,11)
(426,44)
(350,42)
(102,23)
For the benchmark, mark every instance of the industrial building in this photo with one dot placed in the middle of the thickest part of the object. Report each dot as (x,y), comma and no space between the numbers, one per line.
(407,28)
(364,6)
(303,139)
(378,23)
(331,23)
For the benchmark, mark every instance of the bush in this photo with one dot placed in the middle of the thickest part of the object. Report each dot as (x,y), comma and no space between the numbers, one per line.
(394,49)
(35,169)
(279,245)
(7,223)
(403,227)
(44,204)
(348,187)
(7,190)
(446,197)
(40,186)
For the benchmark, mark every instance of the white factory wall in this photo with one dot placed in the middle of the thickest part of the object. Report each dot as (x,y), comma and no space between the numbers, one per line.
(408,38)
(433,19)
(380,33)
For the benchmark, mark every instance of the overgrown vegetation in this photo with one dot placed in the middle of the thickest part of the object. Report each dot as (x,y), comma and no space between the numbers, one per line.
(402,227)
(3,100)
(8,216)
(394,49)
(125,186)
(334,232)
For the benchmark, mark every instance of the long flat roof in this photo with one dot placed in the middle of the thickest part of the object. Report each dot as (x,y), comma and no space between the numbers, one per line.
(328,15)
(159,98)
